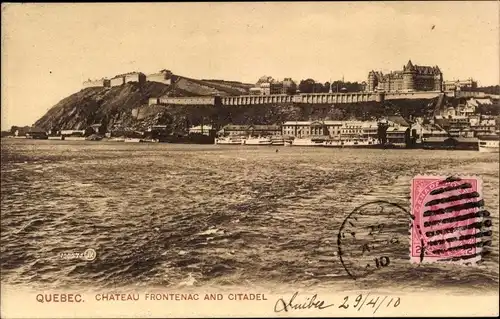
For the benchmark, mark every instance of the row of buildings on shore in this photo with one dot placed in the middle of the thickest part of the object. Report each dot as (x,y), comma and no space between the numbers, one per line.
(440,127)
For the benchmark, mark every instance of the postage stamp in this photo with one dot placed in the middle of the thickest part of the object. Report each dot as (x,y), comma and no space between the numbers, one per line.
(449,219)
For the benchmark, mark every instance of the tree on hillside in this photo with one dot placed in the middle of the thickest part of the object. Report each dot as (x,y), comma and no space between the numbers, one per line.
(307,86)
(349,86)
(13,129)
(318,88)
(335,114)
(326,87)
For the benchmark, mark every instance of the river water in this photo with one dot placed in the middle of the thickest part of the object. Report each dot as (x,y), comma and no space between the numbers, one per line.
(166,214)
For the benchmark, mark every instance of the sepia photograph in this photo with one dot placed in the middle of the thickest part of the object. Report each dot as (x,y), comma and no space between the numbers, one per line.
(231,159)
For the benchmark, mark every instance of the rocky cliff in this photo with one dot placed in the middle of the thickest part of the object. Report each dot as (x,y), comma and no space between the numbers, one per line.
(126,106)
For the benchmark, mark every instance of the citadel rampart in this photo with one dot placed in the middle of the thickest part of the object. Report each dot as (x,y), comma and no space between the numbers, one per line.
(128,77)
(97,83)
(163,76)
(313,98)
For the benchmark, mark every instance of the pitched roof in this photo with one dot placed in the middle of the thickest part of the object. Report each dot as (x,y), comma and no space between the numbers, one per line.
(265,127)
(409,65)
(398,119)
(236,127)
(435,139)
(199,127)
(34,129)
(297,123)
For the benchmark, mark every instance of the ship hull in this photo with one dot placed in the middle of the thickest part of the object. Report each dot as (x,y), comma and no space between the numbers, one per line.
(490,149)
(489,144)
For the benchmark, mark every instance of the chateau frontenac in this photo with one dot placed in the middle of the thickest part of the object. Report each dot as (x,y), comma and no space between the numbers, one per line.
(410,78)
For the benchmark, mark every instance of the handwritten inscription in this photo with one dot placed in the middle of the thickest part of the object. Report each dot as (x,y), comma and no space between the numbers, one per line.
(361,301)
(307,303)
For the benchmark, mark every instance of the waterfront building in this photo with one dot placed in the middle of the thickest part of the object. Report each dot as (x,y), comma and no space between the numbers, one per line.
(410,78)
(456,126)
(264,130)
(250,130)
(21,131)
(397,135)
(72,132)
(233,130)
(369,129)
(36,133)
(422,132)
(296,129)
(351,129)
(157,128)
(302,129)
(339,130)
(483,125)
(200,129)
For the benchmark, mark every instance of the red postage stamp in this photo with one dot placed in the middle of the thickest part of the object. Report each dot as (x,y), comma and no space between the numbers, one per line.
(448,215)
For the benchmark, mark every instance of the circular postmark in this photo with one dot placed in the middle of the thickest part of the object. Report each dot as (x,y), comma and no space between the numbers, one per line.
(90,254)
(372,237)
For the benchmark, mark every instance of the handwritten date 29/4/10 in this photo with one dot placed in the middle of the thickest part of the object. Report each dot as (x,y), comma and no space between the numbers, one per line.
(367,301)
(359,302)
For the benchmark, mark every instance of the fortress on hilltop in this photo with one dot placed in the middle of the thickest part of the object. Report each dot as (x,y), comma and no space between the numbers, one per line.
(164,76)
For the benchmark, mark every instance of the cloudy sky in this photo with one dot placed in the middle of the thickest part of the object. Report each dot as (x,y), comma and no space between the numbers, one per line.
(49,49)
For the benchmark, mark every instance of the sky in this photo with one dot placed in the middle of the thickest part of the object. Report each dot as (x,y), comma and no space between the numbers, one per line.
(48,50)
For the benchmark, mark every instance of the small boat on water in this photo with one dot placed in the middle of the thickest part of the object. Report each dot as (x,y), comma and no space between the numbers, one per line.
(116,139)
(141,140)
(93,137)
(307,142)
(258,141)
(277,141)
(352,143)
(230,140)
(74,138)
(488,143)
(132,140)
(150,140)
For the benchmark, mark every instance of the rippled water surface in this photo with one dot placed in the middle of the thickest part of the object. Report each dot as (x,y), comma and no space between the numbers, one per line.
(161,214)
